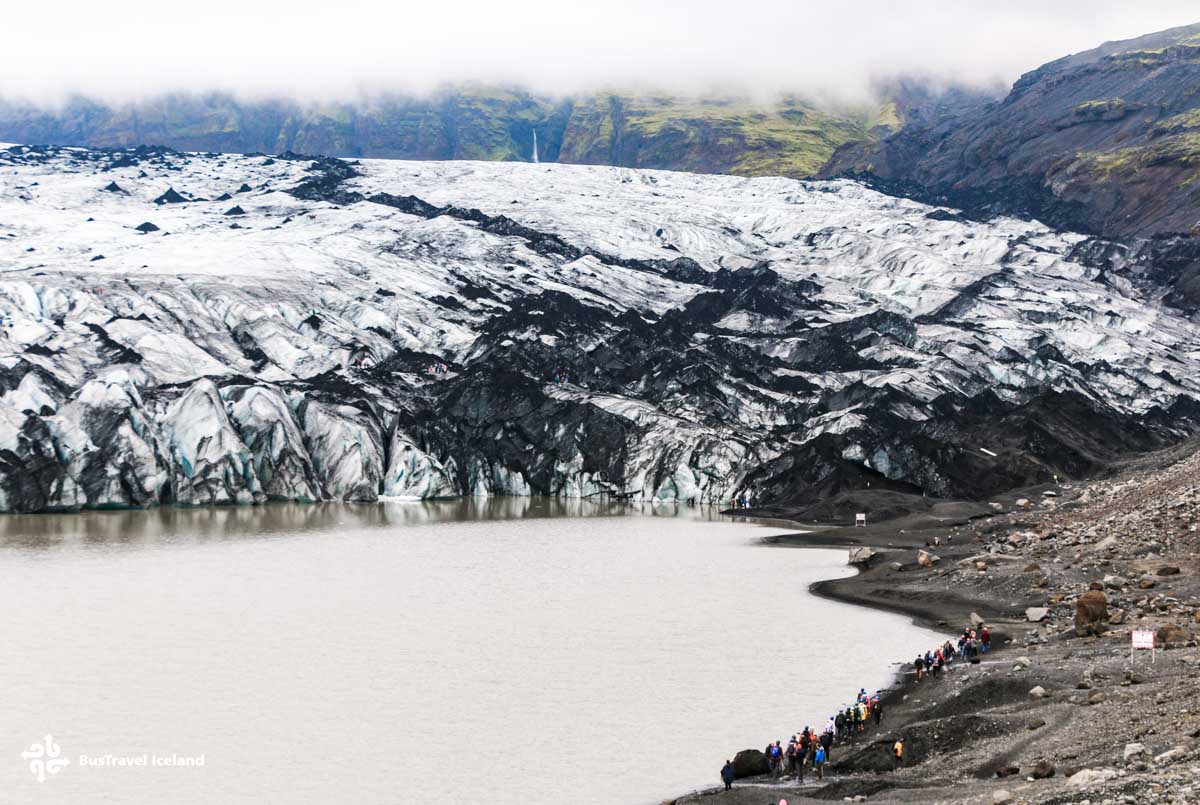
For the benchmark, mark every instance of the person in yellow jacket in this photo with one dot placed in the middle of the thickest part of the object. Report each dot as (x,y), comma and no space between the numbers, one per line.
(898,754)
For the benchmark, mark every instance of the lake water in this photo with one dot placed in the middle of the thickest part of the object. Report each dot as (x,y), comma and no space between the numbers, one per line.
(500,651)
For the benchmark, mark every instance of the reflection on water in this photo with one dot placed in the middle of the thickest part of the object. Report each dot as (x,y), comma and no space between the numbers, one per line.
(173,524)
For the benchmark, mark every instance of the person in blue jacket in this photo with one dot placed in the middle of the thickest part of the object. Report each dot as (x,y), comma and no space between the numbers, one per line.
(727,774)
(819,762)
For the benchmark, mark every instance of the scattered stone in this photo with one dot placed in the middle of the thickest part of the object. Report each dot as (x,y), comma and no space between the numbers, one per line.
(113,187)
(245,188)
(1091,613)
(146,227)
(1087,777)
(1033,567)
(1114,582)
(1042,770)
(1171,636)
(1036,614)
(1038,693)
(927,559)
(1023,502)
(858,556)
(235,210)
(1134,751)
(1117,617)
(1002,795)
(1021,663)
(1170,756)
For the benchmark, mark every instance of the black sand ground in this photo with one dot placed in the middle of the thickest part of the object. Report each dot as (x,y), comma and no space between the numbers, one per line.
(976,734)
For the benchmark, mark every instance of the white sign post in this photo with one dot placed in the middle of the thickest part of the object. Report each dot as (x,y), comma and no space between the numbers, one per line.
(1139,640)
(860,519)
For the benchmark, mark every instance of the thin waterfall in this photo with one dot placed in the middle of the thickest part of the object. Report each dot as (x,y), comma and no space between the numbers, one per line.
(535,156)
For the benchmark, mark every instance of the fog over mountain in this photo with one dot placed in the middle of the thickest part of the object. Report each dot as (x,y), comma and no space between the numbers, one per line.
(136,48)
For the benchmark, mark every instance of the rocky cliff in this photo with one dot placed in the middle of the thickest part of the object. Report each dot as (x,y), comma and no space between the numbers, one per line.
(233,329)
(1105,142)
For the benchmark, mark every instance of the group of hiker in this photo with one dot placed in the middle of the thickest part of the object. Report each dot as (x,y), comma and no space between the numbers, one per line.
(437,369)
(810,750)
(972,643)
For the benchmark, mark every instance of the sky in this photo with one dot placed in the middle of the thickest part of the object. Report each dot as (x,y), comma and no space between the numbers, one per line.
(128,49)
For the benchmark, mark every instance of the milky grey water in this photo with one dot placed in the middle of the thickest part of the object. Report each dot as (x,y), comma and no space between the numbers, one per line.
(502,651)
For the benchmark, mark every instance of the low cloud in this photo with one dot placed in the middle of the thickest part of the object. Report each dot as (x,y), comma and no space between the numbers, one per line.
(139,48)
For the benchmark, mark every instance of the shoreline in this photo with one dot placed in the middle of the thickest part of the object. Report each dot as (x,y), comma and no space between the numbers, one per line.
(1048,716)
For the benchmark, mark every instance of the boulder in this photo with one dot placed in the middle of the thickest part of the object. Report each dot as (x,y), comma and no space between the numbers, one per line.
(1170,756)
(1168,570)
(1146,582)
(1042,770)
(1001,796)
(1171,636)
(1036,614)
(749,763)
(1091,613)
(1038,693)
(927,559)
(862,555)
(1117,617)
(976,620)
(1134,751)
(1023,502)
(146,226)
(1087,777)
(1033,567)
(1113,582)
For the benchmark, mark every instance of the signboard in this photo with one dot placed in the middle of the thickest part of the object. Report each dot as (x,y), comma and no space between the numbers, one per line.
(860,519)
(1140,639)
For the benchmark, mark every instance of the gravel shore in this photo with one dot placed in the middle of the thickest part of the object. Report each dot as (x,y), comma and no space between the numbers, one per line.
(1056,713)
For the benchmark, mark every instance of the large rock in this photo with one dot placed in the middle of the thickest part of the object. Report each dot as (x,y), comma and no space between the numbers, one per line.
(1042,770)
(927,559)
(862,555)
(1171,636)
(1036,614)
(749,763)
(1091,613)
(1089,777)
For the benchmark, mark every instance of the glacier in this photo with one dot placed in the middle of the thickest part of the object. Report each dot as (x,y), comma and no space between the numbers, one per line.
(302,328)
